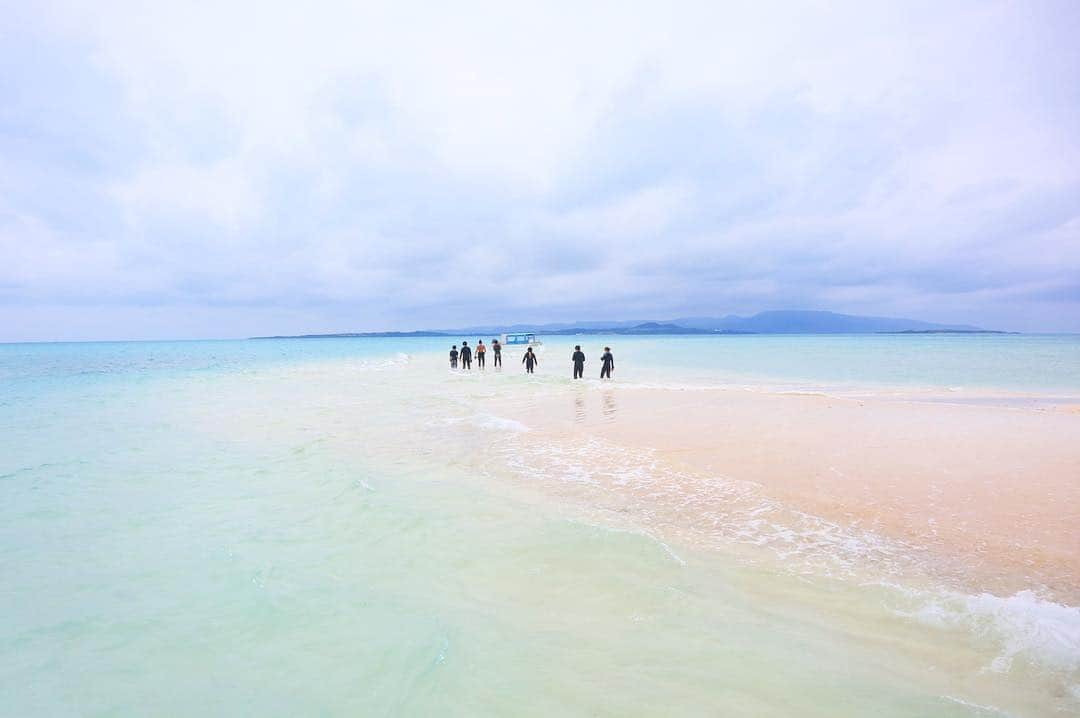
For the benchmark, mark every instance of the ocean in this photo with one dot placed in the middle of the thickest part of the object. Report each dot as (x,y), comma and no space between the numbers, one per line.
(347,527)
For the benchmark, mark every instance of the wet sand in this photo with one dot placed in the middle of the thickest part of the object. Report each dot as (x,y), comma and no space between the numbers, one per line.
(989,493)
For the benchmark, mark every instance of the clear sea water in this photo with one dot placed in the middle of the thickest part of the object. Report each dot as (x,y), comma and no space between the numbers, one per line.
(339,527)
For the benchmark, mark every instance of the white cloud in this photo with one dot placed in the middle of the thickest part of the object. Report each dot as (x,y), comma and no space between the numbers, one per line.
(221,193)
(645,212)
(405,156)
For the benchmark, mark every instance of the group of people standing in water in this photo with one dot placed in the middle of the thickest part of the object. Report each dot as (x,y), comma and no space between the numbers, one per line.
(464,358)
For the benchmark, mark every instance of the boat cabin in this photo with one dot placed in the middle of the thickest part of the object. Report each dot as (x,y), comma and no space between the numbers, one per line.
(524,338)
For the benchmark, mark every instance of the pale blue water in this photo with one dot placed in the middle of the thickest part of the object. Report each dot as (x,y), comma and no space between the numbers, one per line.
(336,527)
(1042,363)
(1047,362)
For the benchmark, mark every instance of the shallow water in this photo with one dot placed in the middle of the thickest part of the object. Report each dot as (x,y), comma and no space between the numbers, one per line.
(345,527)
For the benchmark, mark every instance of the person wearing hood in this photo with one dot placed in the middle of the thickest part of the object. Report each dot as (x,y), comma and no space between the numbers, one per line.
(530,360)
(578,357)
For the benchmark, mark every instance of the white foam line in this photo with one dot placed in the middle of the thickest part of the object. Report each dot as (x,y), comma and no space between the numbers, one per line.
(678,559)
(721,512)
(981,708)
(1024,625)
(637,532)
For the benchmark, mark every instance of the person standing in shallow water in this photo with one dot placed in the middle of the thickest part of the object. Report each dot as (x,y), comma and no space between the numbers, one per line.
(466,356)
(497,348)
(578,358)
(607,363)
(481,350)
(453,357)
(529,360)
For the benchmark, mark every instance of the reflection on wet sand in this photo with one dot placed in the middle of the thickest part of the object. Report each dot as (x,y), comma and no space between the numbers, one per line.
(607,397)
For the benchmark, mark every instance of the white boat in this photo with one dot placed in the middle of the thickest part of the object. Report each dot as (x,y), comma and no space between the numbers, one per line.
(520,339)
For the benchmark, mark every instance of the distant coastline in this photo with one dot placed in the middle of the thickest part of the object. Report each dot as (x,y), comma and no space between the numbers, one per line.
(353,335)
(950,331)
(672,331)
(774,322)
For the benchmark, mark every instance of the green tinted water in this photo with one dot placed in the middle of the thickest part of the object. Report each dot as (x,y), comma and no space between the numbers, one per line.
(331,528)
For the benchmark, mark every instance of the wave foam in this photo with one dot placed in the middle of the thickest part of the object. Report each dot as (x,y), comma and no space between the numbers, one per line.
(489,421)
(1024,625)
(661,500)
(711,509)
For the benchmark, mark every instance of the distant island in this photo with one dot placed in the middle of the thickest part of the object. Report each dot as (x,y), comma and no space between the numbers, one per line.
(949,331)
(773,322)
(353,335)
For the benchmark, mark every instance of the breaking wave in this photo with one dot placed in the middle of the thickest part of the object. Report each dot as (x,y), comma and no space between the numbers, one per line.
(635,486)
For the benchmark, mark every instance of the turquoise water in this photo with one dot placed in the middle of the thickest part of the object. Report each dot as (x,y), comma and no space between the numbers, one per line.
(1049,362)
(339,527)
(1042,363)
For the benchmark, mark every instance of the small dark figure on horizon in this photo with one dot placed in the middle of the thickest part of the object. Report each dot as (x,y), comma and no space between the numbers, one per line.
(497,348)
(453,357)
(579,362)
(466,356)
(529,360)
(607,363)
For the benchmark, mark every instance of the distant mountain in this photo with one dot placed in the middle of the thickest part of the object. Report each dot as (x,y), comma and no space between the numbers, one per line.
(553,328)
(808,322)
(643,328)
(775,322)
(661,328)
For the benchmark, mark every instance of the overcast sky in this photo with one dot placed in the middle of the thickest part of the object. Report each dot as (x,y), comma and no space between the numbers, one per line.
(215,169)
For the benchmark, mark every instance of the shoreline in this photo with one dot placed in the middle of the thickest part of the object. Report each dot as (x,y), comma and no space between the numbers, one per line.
(984,492)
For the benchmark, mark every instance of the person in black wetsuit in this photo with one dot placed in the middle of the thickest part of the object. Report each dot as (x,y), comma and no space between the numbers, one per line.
(529,360)
(607,363)
(579,361)
(497,348)
(453,357)
(466,356)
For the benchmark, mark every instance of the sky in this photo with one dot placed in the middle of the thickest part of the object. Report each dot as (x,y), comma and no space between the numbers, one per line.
(230,169)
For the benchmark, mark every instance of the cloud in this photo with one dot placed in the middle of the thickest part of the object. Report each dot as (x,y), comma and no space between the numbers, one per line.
(344,165)
(220,193)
